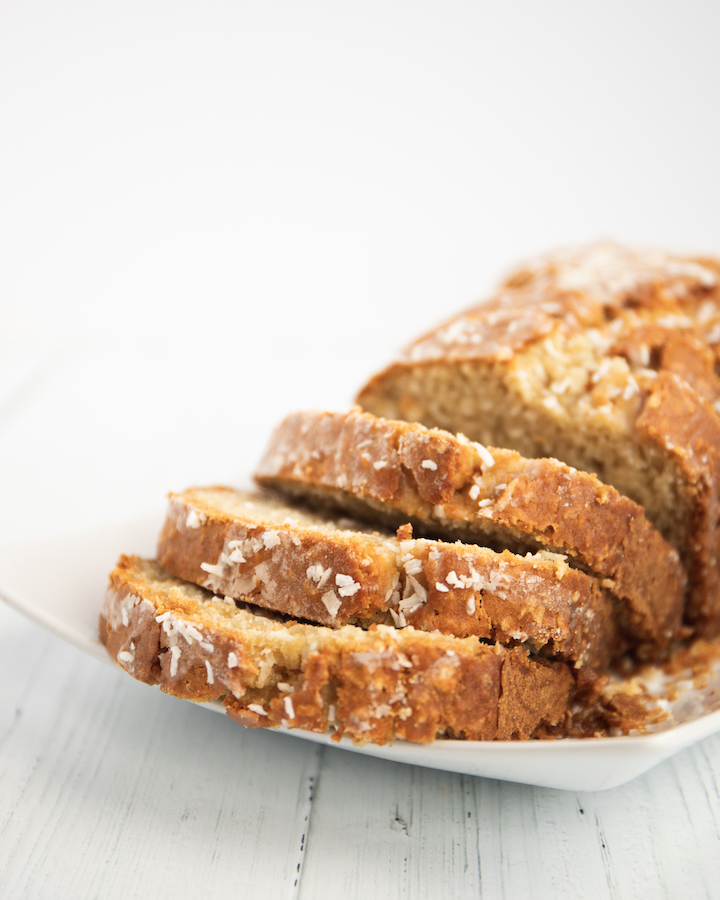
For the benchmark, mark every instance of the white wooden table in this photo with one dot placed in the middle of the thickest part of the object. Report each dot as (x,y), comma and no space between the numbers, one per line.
(110,789)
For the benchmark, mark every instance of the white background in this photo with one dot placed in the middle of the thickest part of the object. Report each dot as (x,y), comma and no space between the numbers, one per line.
(258,168)
(239,209)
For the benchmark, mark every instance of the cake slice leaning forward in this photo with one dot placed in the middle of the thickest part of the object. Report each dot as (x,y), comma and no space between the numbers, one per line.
(327,570)
(452,488)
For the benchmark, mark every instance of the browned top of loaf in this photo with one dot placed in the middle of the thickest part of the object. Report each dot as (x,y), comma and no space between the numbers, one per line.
(451,487)
(654,311)
(373,686)
(581,288)
(254,548)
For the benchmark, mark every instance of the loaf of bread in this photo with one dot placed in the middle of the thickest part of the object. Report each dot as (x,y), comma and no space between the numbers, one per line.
(604,358)
(373,685)
(257,549)
(449,487)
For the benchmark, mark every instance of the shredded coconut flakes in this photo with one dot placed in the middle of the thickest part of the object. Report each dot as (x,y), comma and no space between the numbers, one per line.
(194,518)
(347,586)
(332,603)
(174,656)
(318,574)
(484,454)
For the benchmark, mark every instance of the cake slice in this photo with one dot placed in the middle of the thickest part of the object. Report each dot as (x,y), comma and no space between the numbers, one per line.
(372,686)
(255,548)
(604,358)
(449,487)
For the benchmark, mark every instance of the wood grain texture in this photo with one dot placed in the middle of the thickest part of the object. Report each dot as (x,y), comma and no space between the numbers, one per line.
(109,788)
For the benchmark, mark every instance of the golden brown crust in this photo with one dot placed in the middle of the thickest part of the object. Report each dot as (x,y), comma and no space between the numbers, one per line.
(613,320)
(579,288)
(252,548)
(371,686)
(446,486)
(315,570)
(684,425)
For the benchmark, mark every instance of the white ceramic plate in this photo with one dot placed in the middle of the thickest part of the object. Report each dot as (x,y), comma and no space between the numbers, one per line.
(65,595)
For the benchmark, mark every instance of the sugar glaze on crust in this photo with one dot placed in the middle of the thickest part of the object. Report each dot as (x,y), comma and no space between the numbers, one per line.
(373,686)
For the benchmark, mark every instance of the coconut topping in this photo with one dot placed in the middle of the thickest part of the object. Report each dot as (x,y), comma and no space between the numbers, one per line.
(174,657)
(319,575)
(194,519)
(347,586)
(332,603)
(484,454)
